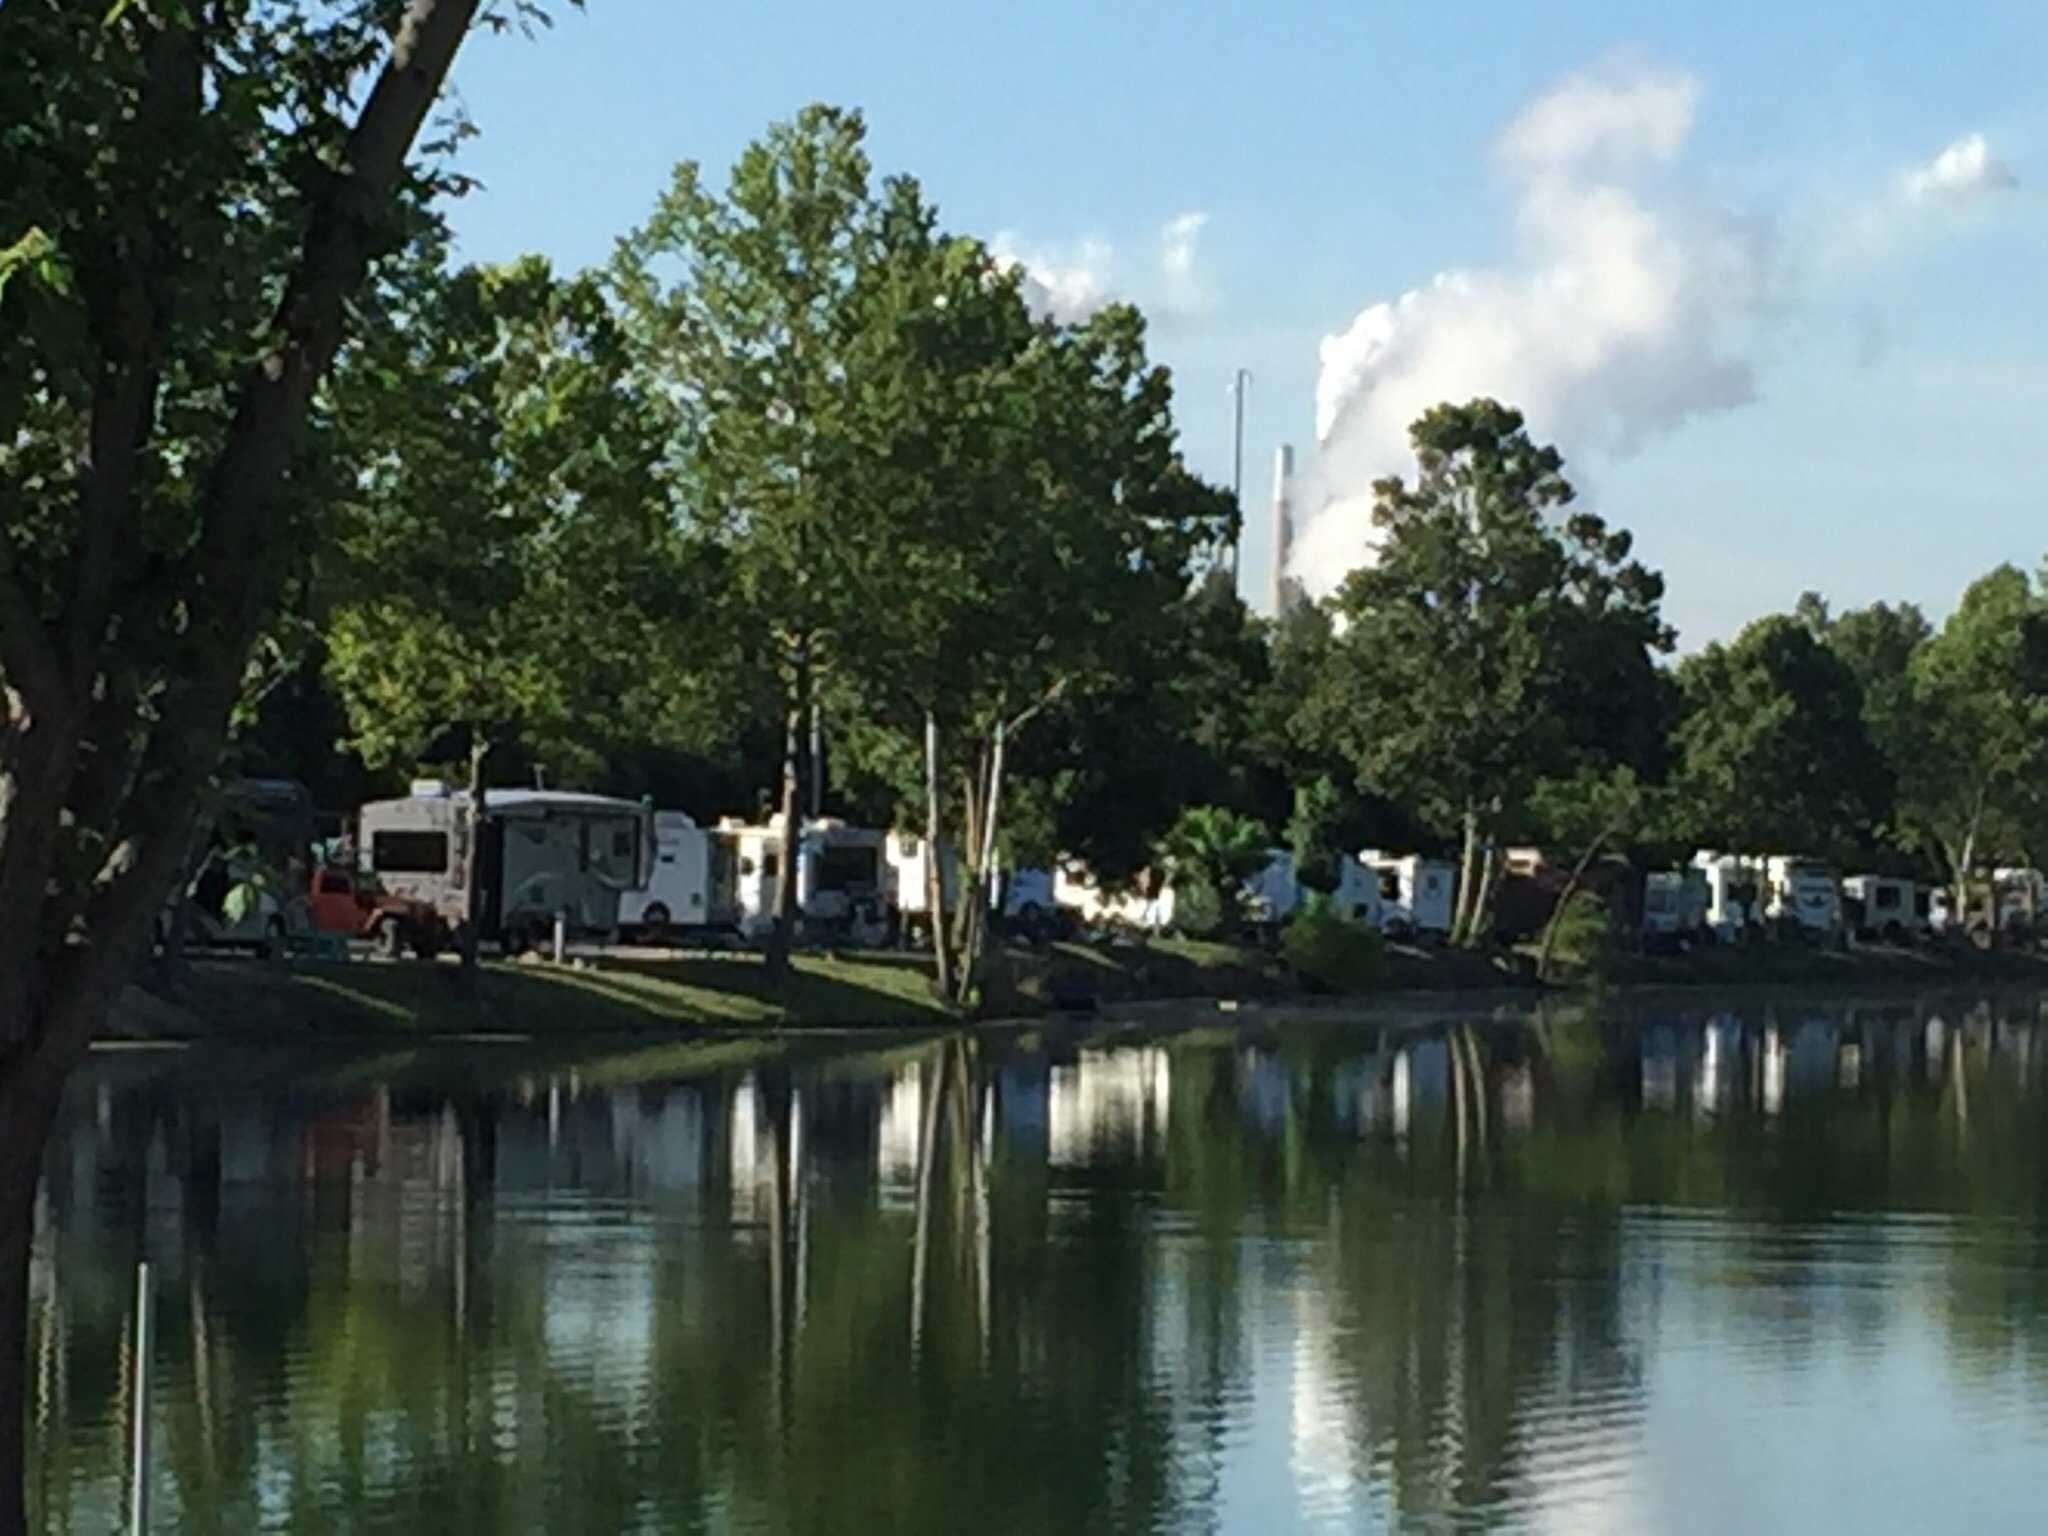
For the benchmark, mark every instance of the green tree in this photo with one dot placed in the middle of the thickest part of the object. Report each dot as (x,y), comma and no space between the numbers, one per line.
(1497,636)
(749,309)
(208,187)
(1211,851)
(1880,644)
(1590,813)
(1979,688)
(1772,752)
(507,563)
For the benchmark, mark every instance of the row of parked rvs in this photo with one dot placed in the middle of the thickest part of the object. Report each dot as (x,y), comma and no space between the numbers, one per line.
(1729,897)
(603,866)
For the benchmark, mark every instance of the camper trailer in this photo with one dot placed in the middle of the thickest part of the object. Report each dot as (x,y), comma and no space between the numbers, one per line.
(1879,907)
(1076,891)
(907,891)
(842,879)
(1416,894)
(677,898)
(1734,894)
(545,854)
(1675,903)
(1801,894)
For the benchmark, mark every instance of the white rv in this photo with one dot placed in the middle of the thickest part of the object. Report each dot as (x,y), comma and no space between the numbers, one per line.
(1801,892)
(678,895)
(1675,903)
(842,878)
(1735,895)
(1880,907)
(907,858)
(1075,890)
(545,853)
(1416,894)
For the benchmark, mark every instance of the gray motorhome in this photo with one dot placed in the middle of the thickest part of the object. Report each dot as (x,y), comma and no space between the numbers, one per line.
(544,853)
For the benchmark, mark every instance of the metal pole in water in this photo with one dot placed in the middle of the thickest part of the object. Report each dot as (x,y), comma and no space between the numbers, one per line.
(138,1443)
(561,938)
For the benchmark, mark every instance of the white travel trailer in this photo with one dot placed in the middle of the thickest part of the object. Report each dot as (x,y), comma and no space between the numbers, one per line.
(907,858)
(1880,907)
(1675,903)
(1075,890)
(545,854)
(681,880)
(1416,894)
(842,878)
(2022,898)
(1735,894)
(1802,892)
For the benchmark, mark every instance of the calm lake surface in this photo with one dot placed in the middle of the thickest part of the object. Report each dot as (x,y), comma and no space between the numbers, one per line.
(1765,1268)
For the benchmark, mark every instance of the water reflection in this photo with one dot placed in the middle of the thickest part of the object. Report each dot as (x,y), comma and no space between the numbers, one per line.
(1763,1267)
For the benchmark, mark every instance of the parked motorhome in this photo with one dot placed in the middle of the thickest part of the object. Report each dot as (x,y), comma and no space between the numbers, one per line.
(1076,892)
(1801,893)
(1735,894)
(842,878)
(907,894)
(1882,907)
(1675,906)
(1416,894)
(544,854)
(2022,899)
(677,898)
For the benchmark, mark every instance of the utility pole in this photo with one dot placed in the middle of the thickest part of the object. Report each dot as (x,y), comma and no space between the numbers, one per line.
(1240,383)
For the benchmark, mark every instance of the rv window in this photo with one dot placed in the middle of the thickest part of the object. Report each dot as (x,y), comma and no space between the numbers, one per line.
(771,864)
(846,869)
(1885,898)
(1390,885)
(409,853)
(622,843)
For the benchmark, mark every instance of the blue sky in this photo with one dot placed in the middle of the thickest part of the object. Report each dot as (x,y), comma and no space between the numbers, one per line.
(1896,350)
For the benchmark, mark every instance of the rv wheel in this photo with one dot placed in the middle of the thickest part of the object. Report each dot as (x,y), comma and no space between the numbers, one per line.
(654,924)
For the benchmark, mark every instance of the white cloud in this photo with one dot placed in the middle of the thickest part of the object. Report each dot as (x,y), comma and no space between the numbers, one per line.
(1963,172)
(1064,286)
(1616,323)
(1070,282)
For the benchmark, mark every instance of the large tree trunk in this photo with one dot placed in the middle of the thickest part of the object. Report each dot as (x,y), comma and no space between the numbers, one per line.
(24,1128)
(796,725)
(980,894)
(97,792)
(934,865)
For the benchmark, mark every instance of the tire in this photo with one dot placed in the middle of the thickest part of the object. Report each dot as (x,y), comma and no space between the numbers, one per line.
(272,942)
(654,924)
(1894,933)
(517,941)
(390,937)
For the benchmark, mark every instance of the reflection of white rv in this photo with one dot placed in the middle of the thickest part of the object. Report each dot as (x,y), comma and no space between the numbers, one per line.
(1880,907)
(1801,892)
(1416,894)
(841,874)
(678,894)
(545,854)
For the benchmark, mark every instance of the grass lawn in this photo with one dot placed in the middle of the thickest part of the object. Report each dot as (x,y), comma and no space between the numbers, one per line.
(617,995)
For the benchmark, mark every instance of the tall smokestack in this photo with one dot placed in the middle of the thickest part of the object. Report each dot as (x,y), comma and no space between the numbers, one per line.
(1283,590)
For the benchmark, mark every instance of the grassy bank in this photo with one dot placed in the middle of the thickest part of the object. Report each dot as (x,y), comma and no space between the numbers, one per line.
(620,995)
(643,993)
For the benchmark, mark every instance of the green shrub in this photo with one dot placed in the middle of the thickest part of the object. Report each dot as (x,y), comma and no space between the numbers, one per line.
(1583,940)
(1329,949)
(1197,908)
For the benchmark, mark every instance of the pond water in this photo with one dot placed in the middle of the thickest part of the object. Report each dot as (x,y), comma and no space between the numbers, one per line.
(1773,1267)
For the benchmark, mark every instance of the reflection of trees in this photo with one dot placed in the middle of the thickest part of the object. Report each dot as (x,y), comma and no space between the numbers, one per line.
(878,1290)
